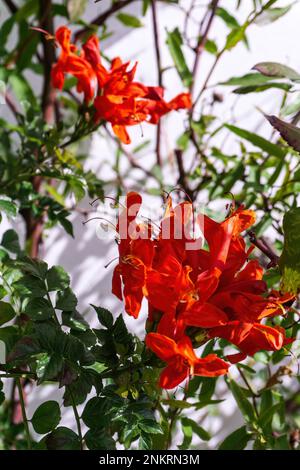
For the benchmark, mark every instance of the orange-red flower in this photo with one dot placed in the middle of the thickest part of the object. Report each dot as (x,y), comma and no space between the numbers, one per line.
(135,257)
(214,293)
(69,62)
(116,96)
(182,362)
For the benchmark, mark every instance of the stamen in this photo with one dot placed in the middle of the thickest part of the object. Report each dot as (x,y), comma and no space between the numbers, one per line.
(100,218)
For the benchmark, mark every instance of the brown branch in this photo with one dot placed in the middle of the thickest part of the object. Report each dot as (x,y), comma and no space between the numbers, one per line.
(11,6)
(182,180)
(48,94)
(159,77)
(100,20)
(262,245)
(202,41)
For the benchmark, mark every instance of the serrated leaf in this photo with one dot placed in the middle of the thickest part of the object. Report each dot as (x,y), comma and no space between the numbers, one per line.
(57,279)
(104,316)
(7,313)
(39,309)
(46,417)
(66,300)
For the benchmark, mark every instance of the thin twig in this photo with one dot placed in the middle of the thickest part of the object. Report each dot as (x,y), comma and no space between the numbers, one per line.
(159,76)
(202,41)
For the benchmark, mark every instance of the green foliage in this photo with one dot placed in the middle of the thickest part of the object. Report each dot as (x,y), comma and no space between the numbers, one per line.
(107,377)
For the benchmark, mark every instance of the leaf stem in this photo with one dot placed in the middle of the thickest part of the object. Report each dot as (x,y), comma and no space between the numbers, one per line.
(77,419)
(24,416)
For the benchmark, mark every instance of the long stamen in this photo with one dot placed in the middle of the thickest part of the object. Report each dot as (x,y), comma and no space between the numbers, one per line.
(100,218)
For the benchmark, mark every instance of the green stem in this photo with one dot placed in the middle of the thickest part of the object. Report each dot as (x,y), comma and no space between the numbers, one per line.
(77,419)
(25,420)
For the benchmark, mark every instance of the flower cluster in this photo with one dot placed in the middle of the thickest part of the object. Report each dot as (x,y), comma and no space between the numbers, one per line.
(195,294)
(116,97)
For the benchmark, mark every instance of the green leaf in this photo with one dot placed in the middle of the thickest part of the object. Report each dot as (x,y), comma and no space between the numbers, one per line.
(99,440)
(48,367)
(2,396)
(30,286)
(243,404)
(145,442)
(260,88)
(66,300)
(289,262)
(237,440)
(235,36)
(35,267)
(62,439)
(39,309)
(104,316)
(174,41)
(289,132)
(129,20)
(74,320)
(94,412)
(57,279)
(8,207)
(10,241)
(258,141)
(189,428)
(150,426)
(21,88)
(46,417)
(274,69)
(267,416)
(250,79)
(76,9)
(24,347)
(272,14)
(7,313)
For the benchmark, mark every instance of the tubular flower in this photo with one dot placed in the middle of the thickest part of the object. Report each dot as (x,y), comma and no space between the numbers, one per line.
(117,97)
(197,294)
(182,362)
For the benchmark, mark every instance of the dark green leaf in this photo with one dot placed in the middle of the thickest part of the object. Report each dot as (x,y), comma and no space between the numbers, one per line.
(46,417)
(66,300)
(236,440)
(39,309)
(10,241)
(7,313)
(99,440)
(57,279)
(105,317)
(62,439)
